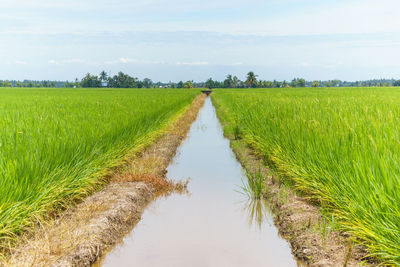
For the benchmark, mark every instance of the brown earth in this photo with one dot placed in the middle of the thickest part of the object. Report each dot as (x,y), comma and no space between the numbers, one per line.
(313,239)
(81,234)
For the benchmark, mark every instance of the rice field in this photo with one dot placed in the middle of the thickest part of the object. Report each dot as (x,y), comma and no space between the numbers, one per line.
(56,144)
(339,146)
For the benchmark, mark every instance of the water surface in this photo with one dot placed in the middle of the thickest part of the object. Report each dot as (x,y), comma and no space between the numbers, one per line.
(211,226)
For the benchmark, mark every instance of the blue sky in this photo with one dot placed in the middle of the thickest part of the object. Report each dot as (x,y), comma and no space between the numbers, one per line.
(193,40)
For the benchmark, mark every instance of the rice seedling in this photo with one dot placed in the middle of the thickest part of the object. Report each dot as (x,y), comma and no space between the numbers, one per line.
(339,146)
(56,144)
(253,185)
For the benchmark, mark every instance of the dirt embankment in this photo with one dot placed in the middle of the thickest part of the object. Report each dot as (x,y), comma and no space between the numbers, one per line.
(80,235)
(313,239)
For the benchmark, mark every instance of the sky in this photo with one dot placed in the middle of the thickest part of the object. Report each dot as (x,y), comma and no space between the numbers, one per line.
(172,40)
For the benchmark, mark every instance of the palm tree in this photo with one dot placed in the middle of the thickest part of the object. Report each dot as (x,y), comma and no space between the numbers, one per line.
(103,76)
(251,80)
(235,81)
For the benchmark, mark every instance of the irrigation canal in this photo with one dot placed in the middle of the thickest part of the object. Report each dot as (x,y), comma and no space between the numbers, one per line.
(213,225)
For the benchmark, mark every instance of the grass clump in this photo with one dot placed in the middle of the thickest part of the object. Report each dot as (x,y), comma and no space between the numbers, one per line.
(254,185)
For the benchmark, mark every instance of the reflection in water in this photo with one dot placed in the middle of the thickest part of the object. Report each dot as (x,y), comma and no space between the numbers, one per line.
(258,212)
(207,227)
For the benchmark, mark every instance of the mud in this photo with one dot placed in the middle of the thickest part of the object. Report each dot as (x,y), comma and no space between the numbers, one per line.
(81,234)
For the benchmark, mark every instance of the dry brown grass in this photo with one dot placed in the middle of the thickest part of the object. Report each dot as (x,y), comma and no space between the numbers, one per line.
(158,183)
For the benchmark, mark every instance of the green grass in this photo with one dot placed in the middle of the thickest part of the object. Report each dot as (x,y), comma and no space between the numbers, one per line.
(55,144)
(253,185)
(340,147)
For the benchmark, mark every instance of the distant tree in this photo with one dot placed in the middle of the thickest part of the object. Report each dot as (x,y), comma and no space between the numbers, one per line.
(103,76)
(266,84)
(188,85)
(285,84)
(90,81)
(235,82)
(228,83)
(315,84)
(147,83)
(68,84)
(45,83)
(298,82)
(6,84)
(301,82)
(251,80)
(276,84)
(396,83)
(218,84)
(179,85)
(209,84)
(77,83)
(122,80)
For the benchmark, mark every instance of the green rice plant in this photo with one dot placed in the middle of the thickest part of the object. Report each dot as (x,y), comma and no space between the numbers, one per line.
(57,144)
(339,146)
(253,185)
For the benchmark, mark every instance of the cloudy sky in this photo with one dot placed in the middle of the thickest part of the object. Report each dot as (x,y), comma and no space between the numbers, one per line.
(194,40)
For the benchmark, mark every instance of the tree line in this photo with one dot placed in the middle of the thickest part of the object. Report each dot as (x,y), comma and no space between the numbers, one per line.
(123,80)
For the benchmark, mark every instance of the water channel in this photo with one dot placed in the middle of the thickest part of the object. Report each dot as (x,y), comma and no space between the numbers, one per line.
(213,225)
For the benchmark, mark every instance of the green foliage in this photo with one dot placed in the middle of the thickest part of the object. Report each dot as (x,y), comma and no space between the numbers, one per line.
(122,80)
(254,185)
(340,147)
(209,84)
(298,82)
(56,143)
(5,84)
(315,84)
(251,80)
(188,85)
(91,81)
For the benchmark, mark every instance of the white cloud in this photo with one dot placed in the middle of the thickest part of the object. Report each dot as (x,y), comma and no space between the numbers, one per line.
(66,61)
(125,60)
(53,62)
(195,63)
(20,62)
(74,60)
(236,63)
(303,64)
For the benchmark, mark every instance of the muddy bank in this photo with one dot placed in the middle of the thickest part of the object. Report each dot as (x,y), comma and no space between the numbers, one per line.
(313,239)
(80,235)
